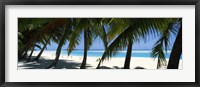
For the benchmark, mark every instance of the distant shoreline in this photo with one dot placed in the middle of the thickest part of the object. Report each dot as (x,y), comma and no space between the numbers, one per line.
(99,53)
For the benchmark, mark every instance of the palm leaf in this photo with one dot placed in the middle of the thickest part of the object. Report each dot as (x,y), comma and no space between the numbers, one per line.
(38,46)
(163,44)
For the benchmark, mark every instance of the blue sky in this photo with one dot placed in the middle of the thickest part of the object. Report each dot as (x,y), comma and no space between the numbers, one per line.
(98,44)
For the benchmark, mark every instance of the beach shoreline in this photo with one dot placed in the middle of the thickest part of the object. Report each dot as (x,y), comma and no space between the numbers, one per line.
(74,62)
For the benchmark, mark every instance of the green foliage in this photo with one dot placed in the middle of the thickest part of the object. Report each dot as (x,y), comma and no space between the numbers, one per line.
(136,28)
(37,34)
(34,31)
(83,25)
(163,42)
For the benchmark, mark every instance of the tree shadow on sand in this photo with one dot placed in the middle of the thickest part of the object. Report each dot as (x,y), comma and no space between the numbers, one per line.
(104,67)
(43,64)
(114,67)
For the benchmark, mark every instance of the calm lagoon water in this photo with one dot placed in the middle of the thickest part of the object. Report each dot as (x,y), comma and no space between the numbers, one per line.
(122,54)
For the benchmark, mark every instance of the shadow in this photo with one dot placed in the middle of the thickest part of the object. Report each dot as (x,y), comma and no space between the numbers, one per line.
(104,67)
(138,67)
(42,64)
(116,67)
(26,58)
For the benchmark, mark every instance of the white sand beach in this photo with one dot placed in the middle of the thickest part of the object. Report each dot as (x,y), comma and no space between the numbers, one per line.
(74,62)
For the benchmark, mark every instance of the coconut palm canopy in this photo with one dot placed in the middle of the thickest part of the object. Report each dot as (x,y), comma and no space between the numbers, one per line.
(99,39)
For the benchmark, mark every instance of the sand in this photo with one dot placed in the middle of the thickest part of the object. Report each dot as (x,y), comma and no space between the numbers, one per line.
(74,62)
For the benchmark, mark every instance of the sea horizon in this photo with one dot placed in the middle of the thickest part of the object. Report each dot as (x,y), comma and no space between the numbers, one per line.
(99,52)
(102,49)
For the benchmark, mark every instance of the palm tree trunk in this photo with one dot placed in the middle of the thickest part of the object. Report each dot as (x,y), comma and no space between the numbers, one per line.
(108,47)
(38,56)
(29,58)
(85,51)
(158,65)
(58,50)
(105,40)
(128,55)
(19,54)
(98,67)
(47,29)
(176,51)
(24,55)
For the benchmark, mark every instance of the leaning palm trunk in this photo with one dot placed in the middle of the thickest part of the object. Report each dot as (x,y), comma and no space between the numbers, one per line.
(85,51)
(42,50)
(58,51)
(120,38)
(98,66)
(29,58)
(104,55)
(24,55)
(128,55)
(176,51)
(50,27)
(103,36)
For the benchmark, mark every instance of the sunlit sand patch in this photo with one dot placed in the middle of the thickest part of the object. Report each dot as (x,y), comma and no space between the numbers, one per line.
(74,62)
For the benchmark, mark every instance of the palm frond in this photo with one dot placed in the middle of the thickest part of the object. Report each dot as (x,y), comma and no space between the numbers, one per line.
(163,44)
(38,46)
(48,29)
(118,44)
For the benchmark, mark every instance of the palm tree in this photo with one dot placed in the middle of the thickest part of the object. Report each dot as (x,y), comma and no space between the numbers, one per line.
(176,50)
(29,58)
(30,27)
(116,43)
(116,28)
(142,27)
(128,54)
(82,25)
(122,33)
(48,27)
(32,50)
(27,29)
(104,37)
(163,42)
(59,48)
(63,34)
(85,50)
(43,48)
(24,55)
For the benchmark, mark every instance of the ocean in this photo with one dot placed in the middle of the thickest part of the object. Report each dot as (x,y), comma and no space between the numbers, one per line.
(121,54)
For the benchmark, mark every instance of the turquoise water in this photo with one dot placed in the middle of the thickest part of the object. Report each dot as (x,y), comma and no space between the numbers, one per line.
(122,54)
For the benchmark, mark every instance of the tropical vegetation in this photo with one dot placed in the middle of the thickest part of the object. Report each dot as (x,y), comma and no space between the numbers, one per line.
(116,34)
